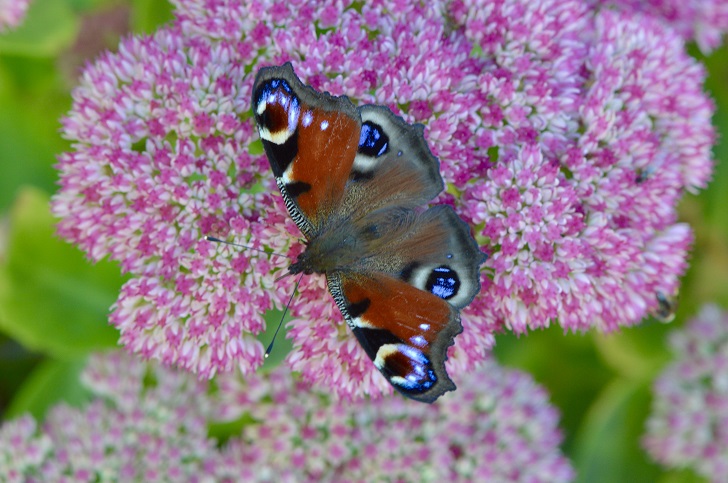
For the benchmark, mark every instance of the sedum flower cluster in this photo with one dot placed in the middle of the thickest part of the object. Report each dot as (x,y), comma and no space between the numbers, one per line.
(566,135)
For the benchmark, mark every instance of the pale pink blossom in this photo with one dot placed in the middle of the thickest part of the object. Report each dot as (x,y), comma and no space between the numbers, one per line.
(12,13)
(688,423)
(149,423)
(704,21)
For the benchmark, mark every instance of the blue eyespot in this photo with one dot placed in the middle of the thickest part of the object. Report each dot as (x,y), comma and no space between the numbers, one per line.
(372,140)
(276,83)
(421,376)
(443,282)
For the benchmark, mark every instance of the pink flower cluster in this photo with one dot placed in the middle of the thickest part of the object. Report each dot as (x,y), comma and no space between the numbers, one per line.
(145,423)
(497,427)
(688,424)
(148,423)
(12,13)
(566,136)
(22,449)
(705,21)
(582,216)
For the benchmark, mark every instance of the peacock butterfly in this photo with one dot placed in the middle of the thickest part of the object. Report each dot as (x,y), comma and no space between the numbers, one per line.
(354,180)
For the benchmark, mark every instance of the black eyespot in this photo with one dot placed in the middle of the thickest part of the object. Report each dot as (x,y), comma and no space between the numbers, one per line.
(279,116)
(297,188)
(443,282)
(372,140)
(358,308)
(267,88)
(406,272)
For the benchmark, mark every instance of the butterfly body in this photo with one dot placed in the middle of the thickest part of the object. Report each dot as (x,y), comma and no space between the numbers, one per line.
(355,181)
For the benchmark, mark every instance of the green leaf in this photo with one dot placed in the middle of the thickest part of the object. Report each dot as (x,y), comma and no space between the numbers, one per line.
(51,382)
(16,364)
(148,15)
(636,352)
(28,145)
(682,476)
(714,197)
(608,445)
(51,299)
(91,5)
(222,431)
(49,28)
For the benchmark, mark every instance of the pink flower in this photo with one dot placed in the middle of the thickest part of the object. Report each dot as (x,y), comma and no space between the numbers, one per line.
(705,21)
(12,13)
(22,450)
(688,424)
(161,159)
(582,221)
(144,424)
(497,427)
(565,137)
(149,423)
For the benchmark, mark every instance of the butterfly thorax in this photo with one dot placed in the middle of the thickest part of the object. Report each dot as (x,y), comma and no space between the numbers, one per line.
(355,243)
(338,248)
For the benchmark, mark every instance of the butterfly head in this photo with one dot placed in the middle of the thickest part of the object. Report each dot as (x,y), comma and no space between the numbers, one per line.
(318,258)
(302,265)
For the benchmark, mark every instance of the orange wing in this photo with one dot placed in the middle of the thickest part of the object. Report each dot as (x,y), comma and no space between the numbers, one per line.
(311,175)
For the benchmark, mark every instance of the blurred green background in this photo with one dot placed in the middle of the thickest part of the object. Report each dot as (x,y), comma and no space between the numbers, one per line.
(54,303)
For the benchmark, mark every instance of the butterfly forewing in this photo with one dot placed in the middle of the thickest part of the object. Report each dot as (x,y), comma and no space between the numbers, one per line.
(311,140)
(390,147)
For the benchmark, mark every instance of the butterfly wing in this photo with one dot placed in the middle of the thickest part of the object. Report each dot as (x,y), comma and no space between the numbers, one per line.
(402,302)
(353,161)
(393,164)
(393,173)
(404,330)
(310,138)
(434,252)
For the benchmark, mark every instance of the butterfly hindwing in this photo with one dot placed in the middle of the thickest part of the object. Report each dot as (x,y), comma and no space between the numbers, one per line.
(406,340)
(310,138)
(403,303)
(441,257)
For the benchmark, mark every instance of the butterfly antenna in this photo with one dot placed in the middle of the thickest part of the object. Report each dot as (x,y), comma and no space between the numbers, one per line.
(217,240)
(282,277)
(285,311)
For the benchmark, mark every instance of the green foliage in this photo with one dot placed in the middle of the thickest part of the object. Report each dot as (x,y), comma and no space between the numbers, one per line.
(49,28)
(53,300)
(53,381)
(567,364)
(608,444)
(148,15)
(29,125)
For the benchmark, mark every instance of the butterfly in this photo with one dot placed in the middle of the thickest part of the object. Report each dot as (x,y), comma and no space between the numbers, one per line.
(354,180)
